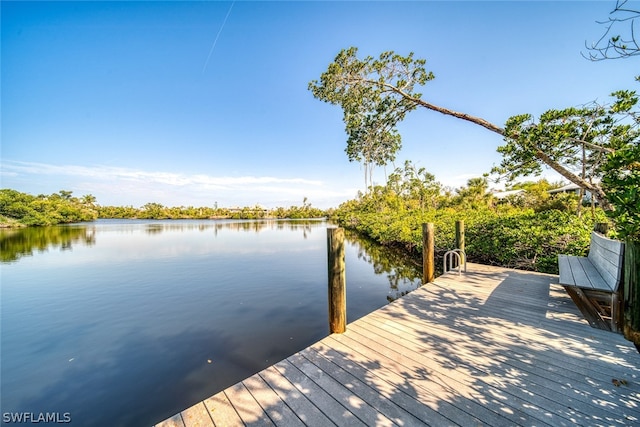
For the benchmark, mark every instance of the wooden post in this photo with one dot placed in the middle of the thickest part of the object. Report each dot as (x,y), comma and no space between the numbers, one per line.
(337,281)
(601,227)
(460,237)
(428,253)
(632,291)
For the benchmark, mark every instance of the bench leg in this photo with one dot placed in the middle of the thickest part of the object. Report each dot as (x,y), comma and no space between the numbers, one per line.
(616,312)
(586,307)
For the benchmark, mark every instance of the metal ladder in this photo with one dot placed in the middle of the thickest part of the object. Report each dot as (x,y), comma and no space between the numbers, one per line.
(460,256)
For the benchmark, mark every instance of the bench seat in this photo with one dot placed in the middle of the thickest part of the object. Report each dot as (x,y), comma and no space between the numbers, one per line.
(579,271)
(593,282)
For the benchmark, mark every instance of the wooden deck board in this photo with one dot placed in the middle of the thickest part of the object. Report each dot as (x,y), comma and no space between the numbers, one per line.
(457,373)
(542,382)
(427,385)
(246,405)
(308,413)
(222,411)
(197,416)
(278,411)
(490,347)
(330,407)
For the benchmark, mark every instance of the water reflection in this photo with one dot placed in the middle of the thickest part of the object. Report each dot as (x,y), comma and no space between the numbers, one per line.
(402,271)
(144,318)
(256,226)
(17,243)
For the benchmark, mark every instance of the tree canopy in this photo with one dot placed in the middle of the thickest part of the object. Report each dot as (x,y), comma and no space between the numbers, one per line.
(576,142)
(375,95)
(593,146)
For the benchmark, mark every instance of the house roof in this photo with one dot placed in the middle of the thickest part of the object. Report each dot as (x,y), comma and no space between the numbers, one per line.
(568,187)
(503,194)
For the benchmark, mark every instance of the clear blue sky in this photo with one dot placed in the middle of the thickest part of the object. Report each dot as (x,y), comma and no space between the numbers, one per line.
(192,103)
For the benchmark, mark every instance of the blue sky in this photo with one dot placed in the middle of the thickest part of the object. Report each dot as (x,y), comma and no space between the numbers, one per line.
(193,103)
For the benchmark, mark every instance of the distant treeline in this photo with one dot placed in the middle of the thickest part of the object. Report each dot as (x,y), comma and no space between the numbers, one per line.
(20,209)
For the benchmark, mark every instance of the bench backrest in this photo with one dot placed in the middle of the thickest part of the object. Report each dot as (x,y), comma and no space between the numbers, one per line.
(606,255)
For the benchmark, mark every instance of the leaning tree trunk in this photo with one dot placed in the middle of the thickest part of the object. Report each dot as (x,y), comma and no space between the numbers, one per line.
(595,189)
(632,291)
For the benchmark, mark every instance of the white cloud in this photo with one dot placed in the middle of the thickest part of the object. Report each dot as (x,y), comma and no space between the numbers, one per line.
(125,186)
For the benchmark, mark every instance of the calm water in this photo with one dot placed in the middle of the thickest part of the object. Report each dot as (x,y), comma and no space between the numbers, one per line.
(128,322)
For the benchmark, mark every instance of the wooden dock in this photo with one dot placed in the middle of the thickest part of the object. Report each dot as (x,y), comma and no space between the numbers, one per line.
(492,347)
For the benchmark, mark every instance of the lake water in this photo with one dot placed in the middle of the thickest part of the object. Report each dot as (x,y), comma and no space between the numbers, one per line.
(124,323)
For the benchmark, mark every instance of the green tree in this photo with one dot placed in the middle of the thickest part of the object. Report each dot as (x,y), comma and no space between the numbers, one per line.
(416,185)
(573,142)
(372,94)
(475,194)
(65,194)
(384,90)
(621,169)
(153,211)
(88,199)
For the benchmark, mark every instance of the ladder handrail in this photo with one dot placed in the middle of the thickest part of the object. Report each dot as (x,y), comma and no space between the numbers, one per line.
(460,255)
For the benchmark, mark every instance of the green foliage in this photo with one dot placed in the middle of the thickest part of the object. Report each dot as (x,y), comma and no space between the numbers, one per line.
(375,95)
(621,168)
(158,211)
(475,194)
(573,142)
(500,234)
(58,208)
(578,143)
(594,146)
(621,180)
(415,184)
(20,209)
(528,240)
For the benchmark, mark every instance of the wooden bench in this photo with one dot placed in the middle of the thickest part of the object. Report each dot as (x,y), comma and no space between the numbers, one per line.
(593,282)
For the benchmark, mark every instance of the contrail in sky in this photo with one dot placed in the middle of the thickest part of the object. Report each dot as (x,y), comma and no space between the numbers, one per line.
(213,46)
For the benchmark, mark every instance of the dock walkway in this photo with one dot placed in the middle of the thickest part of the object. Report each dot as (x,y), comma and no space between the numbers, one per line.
(493,347)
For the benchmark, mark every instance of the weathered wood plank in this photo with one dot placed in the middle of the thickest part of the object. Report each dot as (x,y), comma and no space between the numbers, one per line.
(565,331)
(222,412)
(246,405)
(600,270)
(329,406)
(197,416)
(175,421)
(370,395)
(432,395)
(491,347)
(277,410)
(607,255)
(351,401)
(566,276)
(308,413)
(544,381)
(496,391)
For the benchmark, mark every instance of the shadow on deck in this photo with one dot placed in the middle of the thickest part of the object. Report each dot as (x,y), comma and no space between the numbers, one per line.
(491,347)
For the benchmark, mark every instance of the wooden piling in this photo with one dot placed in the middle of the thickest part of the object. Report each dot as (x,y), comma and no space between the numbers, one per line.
(631,292)
(337,281)
(428,253)
(601,227)
(460,237)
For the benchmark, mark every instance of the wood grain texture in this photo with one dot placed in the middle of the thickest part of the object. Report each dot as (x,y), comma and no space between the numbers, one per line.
(492,347)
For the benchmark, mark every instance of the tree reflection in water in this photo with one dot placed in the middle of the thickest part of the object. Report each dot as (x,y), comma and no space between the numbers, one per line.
(399,266)
(20,242)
